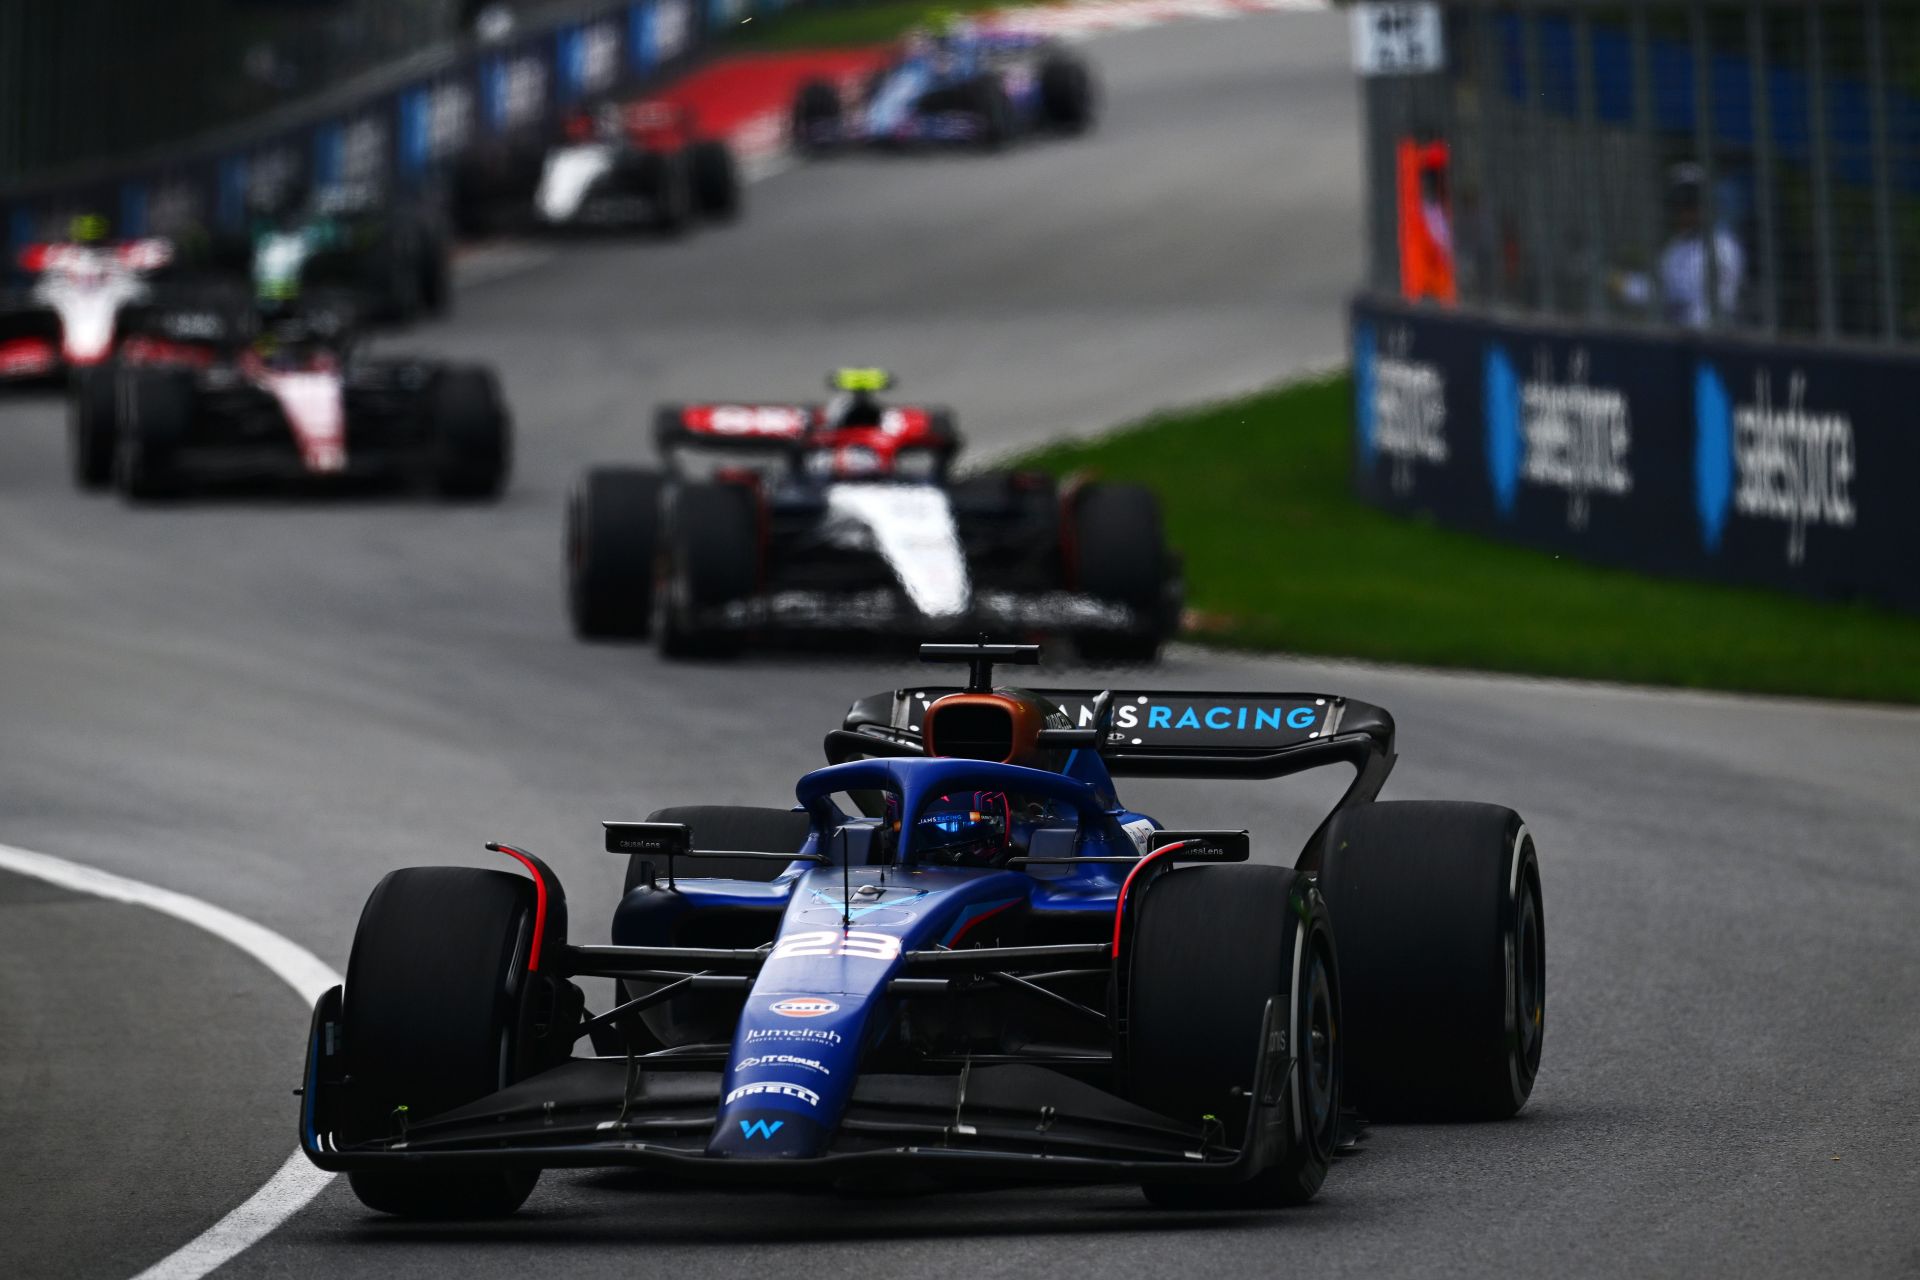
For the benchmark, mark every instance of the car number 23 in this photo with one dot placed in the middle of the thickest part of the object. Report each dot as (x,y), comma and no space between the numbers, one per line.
(829,943)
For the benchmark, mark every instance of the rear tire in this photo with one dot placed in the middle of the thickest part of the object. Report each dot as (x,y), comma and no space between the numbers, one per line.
(1211,947)
(713,559)
(92,404)
(1066,94)
(613,538)
(716,180)
(431,1021)
(1443,953)
(472,438)
(1120,556)
(816,111)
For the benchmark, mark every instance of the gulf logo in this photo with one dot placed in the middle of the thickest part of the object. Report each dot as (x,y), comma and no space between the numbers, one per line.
(804,1007)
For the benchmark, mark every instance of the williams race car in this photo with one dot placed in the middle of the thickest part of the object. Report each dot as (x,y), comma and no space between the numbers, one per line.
(990,970)
(841,518)
(963,85)
(299,401)
(618,164)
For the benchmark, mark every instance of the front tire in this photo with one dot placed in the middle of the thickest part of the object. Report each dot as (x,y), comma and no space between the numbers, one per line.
(1212,947)
(1066,94)
(157,413)
(1443,952)
(431,1021)
(613,537)
(816,117)
(92,412)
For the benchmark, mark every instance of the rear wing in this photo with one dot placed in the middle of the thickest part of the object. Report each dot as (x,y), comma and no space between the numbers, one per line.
(758,426)
(1162,733)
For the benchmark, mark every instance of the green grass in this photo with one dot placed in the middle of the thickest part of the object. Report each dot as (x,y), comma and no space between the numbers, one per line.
(1280,555)
(847,24)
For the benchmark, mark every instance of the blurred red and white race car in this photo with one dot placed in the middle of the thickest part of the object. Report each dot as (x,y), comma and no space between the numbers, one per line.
(842,518)
(614,165)
(84,292)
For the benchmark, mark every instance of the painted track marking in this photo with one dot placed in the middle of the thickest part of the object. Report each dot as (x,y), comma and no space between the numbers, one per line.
(297,1182)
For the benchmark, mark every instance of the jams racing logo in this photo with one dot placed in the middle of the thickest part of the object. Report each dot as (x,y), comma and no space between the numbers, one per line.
(1766,461)
(803,1007)
(1401,404)
(774,1088)
(1554,433)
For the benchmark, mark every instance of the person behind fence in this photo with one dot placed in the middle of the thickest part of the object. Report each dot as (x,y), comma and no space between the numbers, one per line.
(1681,280)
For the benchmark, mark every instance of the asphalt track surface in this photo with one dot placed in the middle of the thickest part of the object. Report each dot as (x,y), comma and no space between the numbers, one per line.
(267,703)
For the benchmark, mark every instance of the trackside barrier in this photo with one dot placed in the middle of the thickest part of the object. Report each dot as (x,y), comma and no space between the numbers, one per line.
(402,133)
(1773,465)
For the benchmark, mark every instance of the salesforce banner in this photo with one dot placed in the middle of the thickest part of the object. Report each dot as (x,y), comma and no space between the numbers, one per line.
(1766,465)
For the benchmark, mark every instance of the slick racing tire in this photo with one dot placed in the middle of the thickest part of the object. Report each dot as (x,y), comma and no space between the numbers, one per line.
(716,180)
(431,1020)
(156,412)
(1118,554)
(667,178)
(613,539)
(712,558)
(436,274)
(472,439)
(987,99)
(1443,957)
(816,111)
(1212,948)
(92,402)
(1066,94)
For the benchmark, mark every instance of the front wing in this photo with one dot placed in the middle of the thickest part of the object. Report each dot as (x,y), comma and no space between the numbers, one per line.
(1005,1123)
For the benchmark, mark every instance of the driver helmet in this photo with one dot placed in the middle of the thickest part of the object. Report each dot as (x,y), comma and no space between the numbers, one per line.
(87,228)
(965,829)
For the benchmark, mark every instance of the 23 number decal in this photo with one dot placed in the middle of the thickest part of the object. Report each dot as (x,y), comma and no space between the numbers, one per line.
(855,944)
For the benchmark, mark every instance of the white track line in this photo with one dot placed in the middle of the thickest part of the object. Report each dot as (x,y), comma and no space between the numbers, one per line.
(297,1182)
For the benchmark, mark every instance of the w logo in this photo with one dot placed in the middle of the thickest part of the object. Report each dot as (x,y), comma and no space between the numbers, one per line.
(760,1128)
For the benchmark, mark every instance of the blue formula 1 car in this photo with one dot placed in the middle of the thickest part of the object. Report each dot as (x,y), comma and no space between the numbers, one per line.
(960,958)
(963,85)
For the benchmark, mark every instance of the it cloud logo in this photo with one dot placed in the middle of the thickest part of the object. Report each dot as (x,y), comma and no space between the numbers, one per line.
(1768,461)
(1555,432)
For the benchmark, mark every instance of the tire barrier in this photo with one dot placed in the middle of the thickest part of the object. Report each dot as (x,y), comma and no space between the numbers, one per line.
(1689,455)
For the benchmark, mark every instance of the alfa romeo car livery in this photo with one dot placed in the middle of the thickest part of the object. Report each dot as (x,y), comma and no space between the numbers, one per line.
(964,85)
(842,518)
(301,401)
(960,957)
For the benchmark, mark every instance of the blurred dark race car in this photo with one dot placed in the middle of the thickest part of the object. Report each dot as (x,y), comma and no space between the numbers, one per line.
(959,84)
(987,969)
(347,245)
(298,400)
(842,518)
(614,165)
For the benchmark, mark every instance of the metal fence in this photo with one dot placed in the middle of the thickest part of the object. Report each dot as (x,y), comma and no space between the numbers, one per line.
(1740,168)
